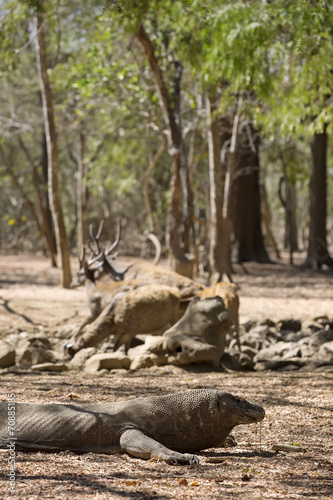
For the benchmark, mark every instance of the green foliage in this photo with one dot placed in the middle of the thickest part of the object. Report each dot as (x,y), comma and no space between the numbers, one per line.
(277,54)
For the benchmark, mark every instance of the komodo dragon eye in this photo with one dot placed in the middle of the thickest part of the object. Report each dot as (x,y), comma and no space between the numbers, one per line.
(239,399)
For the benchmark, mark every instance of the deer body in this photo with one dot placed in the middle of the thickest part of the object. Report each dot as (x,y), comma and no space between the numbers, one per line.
(150,273)
(146,309)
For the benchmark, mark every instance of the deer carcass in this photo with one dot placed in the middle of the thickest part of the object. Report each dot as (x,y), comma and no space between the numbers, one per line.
(229,293)
(149,309)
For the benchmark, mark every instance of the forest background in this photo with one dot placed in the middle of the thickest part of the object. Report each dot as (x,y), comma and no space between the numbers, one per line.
(207,124)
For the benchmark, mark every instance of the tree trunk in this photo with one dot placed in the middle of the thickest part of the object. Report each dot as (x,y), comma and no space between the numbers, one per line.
(219,235)
(52,151)
(44,227)
(267,221)
(148,172)
(291,218)
(46,201)
(246,214)
(180,180)
(317,247)
(80,189)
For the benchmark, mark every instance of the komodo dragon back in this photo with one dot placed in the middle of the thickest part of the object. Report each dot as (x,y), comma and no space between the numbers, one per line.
(167,427)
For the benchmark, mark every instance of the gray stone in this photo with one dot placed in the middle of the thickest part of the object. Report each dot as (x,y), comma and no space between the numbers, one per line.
(278,364)
(147,360)
(321,337)
(230,361)
(35,349)
(294,352)
(278,349)
(249,351)
(261,330)
(247,323)
(81,357)
(106,360)
(268,322)
(7,355)
(246,362)
(325,353)
(324,321)
(290,325)
(255,341)
(307,351)
(310,327)
(50,367)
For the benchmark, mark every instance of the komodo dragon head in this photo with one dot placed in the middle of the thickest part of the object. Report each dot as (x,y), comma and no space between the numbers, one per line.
(239,410)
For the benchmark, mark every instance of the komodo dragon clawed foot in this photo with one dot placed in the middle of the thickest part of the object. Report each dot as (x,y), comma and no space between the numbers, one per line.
(137,444)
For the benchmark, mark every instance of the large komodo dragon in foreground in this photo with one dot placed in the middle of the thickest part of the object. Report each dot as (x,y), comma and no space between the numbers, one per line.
(167,427)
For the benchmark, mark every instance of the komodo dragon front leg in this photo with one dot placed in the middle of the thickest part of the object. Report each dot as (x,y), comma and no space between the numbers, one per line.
(137,444)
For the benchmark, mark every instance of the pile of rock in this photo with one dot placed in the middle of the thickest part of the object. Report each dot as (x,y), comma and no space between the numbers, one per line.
(286,345)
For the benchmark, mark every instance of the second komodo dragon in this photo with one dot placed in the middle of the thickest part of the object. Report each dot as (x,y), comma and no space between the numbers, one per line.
(169,427)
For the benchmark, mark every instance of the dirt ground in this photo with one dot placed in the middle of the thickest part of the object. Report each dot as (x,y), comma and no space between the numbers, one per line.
(298,404)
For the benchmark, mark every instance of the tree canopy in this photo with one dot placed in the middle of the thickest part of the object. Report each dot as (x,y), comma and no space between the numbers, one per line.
(276,55)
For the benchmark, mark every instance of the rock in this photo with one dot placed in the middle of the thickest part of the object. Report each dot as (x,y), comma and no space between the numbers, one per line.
(324,321)
(147,360)
(278,364)
(325,353)
(254,341)
(249,351)
(246,362)
(268,322)
(290,325)
(33,355)
(247,323)
(81,357)
(106,360)
(7,355)
(292,336)
(307,351)
(34,350)
(230,361)
(321,337)
(50,367)
(294,352)
(278,349)
(310,327)
(260,330)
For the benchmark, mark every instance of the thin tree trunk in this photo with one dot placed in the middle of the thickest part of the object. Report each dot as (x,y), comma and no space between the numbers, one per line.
(80,189)
(317,247)
(148,172)
(46,201)
(267,220)
(292,219)
(219,236)
(46,230)
(179,180)
(52,151)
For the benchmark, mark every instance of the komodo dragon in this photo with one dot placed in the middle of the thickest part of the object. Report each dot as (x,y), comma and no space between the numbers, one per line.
(168,427)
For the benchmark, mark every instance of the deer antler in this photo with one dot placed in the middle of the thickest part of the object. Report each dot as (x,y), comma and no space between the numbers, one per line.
(95,237)
(116,241)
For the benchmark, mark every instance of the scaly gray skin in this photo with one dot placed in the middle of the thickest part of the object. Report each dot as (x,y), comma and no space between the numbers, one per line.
(163,427)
